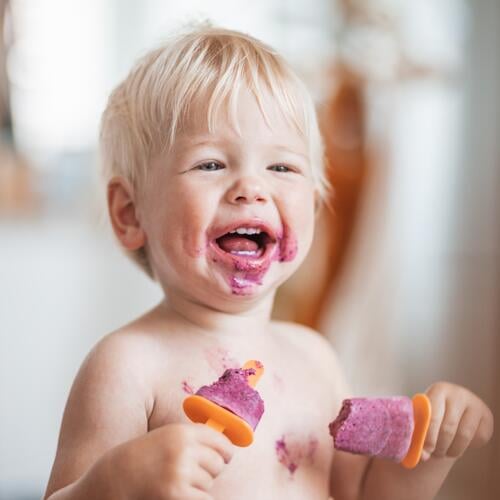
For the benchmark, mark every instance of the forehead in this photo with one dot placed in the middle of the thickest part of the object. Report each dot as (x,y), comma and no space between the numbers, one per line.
(240,113)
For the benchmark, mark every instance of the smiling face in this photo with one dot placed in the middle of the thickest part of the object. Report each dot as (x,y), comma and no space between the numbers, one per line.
(228,216)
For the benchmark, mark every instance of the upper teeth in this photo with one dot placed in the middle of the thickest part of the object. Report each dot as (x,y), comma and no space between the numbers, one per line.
(246,230)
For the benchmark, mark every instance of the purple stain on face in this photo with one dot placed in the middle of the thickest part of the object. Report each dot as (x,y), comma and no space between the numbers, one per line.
(243,286)
(293,452)
(251,273)
(288,246)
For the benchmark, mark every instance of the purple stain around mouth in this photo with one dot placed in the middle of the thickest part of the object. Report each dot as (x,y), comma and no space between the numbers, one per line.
(295,452)
(288,246)
(250,273)
(243,286)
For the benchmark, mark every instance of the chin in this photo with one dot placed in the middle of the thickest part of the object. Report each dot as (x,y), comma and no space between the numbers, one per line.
(240,293)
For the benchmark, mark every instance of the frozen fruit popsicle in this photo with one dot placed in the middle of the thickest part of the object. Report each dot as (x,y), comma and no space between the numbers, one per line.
(392,428)
(231,404)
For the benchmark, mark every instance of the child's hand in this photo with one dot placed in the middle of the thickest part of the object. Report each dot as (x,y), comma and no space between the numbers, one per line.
(173,462)
(459,420)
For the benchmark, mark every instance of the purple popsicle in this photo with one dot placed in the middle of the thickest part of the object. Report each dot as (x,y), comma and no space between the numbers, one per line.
(233,393)
(380,427)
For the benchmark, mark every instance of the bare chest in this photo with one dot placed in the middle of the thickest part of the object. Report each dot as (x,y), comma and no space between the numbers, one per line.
(292,450)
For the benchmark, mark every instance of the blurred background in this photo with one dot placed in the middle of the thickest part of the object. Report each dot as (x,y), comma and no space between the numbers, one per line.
(404,274)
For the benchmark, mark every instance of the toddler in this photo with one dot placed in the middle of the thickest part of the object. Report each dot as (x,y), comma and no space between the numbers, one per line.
(214,168)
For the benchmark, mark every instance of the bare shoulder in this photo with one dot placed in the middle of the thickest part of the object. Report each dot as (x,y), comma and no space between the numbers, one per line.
(112,383)
(115,376)
(129,352)
(125,346)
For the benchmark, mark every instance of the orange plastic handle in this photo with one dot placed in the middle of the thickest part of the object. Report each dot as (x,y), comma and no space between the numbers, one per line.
(202,410)
(422,418)
(259,370)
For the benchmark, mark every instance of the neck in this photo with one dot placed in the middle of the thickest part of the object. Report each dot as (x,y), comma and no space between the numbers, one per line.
(252,321)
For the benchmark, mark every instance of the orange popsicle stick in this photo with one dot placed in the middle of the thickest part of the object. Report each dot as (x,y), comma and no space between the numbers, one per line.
(259,370)
(202,410)
(422,419)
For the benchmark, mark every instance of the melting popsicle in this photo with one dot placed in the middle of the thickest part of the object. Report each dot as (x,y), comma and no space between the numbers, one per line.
(231,404)
(392,428)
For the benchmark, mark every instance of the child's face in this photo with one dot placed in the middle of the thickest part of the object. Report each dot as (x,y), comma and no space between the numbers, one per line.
(209,186)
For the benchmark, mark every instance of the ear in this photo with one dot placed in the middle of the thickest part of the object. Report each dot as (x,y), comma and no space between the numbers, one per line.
(123,214)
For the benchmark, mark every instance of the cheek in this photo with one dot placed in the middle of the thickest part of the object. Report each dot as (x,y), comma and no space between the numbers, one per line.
(187,217)
(301,211)
(297,209)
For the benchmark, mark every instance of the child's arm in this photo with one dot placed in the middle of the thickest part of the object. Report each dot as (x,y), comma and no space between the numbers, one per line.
(459,420)
(105,449)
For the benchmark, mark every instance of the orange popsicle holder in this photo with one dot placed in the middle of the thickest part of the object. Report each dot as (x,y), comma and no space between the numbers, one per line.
(422,419)
(202,410)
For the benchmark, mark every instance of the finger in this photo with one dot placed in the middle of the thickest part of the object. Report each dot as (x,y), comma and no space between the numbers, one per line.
(217,441)
(465,433)
(484,431)
(437,414)
(449,426)
(211,461)
(202,480)
(197,494)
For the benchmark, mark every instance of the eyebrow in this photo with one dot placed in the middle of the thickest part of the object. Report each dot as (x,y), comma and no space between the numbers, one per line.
(204,140)
(286,149)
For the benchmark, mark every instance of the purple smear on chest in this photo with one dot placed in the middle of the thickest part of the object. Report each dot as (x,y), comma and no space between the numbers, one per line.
(292,452)
(186,387)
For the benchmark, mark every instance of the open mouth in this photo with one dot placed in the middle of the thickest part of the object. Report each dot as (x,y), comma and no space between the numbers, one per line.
(250,243)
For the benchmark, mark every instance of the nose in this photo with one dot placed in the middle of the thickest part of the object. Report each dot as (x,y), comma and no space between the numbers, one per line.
(247,190)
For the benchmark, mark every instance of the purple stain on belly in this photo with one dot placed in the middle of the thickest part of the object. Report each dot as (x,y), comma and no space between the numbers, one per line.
(293,452)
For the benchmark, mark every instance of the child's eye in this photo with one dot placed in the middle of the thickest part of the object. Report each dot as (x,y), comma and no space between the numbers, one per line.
(280,168)
(210,166)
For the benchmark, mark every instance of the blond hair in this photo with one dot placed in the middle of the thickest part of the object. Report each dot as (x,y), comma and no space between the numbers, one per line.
(204,65)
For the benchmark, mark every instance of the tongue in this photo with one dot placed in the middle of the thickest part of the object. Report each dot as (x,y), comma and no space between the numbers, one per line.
(235,243)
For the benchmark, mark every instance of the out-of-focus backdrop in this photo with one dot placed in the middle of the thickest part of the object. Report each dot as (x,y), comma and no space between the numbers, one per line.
(403,276)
